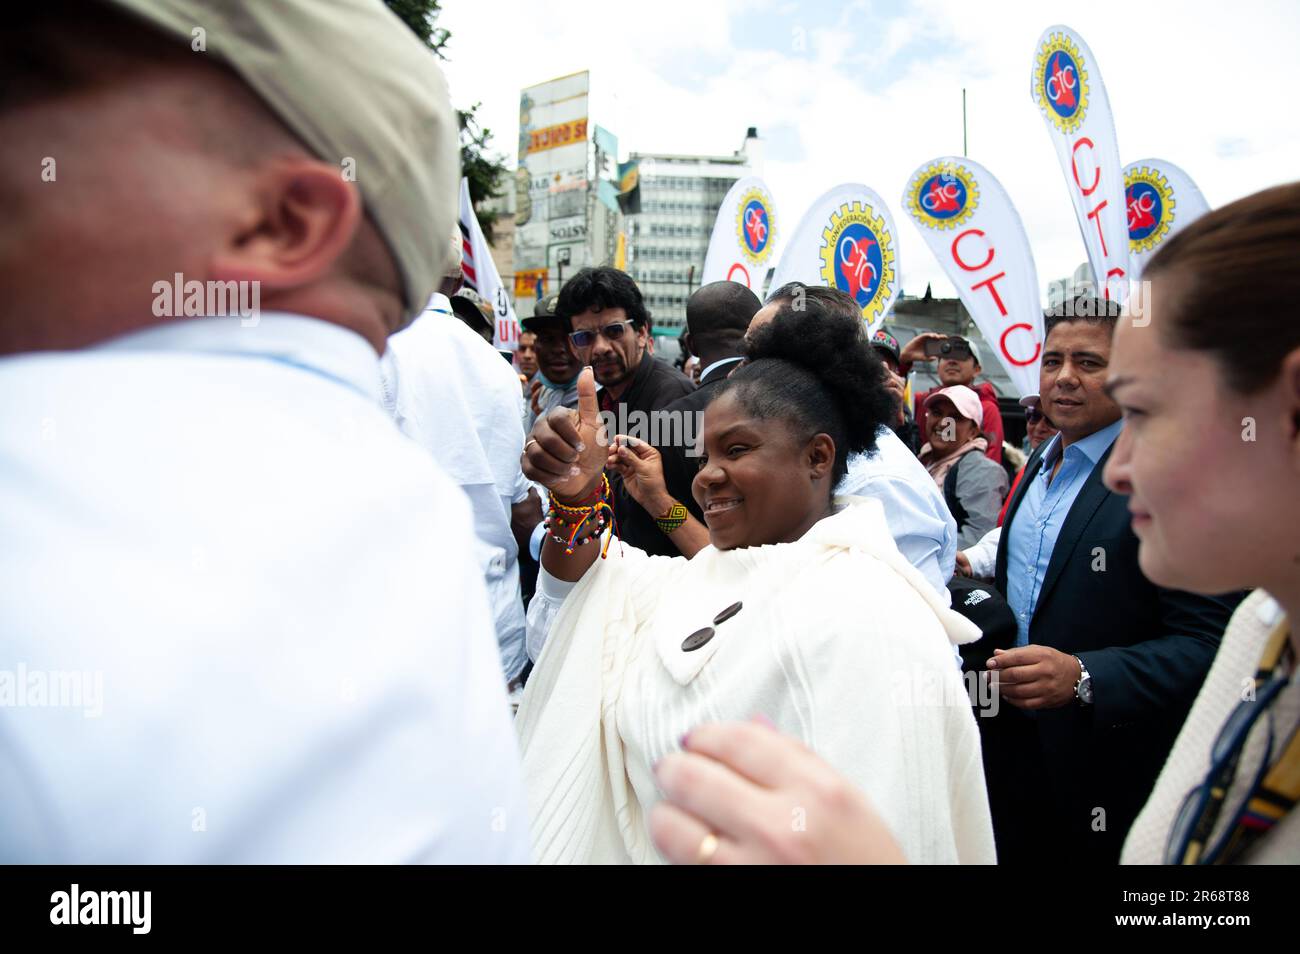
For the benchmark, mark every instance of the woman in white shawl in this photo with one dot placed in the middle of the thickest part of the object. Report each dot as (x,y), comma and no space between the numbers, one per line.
(801,610)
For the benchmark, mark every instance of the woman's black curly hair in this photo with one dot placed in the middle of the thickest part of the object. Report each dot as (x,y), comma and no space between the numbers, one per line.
(813,367)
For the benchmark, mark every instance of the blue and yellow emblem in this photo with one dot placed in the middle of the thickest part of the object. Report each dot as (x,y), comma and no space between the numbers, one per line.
(857,256)
(1061,82)
(756,226)
(943,195)
(1149,203)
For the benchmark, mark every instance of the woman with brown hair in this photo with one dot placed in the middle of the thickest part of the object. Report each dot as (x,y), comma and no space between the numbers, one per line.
(1207,371)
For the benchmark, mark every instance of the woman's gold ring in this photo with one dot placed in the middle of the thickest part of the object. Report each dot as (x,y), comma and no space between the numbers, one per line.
(708,848)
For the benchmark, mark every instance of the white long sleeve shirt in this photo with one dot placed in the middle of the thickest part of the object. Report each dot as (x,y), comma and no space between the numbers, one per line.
(454,396)
(983,556)
(236,622)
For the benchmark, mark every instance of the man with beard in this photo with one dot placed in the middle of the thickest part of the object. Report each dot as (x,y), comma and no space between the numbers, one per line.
(609,329)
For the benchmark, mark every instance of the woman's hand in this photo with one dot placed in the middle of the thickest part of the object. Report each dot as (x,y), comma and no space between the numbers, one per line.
(566,450)
(767,800)
(642,468)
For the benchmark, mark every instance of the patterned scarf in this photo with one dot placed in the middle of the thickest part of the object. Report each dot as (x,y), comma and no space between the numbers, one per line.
(939,468)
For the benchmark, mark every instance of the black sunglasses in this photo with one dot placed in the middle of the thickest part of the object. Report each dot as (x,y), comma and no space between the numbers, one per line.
(1033,416)
(612,332)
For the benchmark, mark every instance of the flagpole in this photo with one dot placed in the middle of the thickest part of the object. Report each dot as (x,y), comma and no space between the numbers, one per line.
(963,120)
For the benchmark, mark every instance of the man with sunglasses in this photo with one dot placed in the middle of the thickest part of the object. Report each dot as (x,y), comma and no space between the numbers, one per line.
(609,329)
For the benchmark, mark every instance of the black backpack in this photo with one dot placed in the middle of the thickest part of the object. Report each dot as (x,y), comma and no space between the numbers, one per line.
(950,492)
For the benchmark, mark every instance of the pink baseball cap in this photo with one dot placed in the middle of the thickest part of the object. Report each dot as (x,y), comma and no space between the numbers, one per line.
(966,401)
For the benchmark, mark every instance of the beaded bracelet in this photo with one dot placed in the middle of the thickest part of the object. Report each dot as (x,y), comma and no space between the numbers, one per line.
(673,519)
(597,515)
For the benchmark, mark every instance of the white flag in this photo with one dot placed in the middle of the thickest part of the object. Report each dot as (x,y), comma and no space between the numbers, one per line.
(967,219)
(481,275)
(742,247)
(1066,86)
(846,240)
(1161,199)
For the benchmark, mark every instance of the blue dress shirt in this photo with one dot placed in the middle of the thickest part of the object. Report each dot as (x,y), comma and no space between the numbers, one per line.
(1042,512)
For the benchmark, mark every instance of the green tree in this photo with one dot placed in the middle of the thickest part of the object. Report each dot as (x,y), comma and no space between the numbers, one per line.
(484,168)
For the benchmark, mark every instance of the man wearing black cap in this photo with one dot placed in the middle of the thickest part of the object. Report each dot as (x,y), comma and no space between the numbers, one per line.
(556,381)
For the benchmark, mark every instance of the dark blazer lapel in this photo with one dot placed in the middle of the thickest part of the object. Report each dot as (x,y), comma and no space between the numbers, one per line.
(1091,497)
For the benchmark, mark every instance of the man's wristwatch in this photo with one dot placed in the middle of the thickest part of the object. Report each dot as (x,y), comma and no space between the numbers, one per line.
(1083,688)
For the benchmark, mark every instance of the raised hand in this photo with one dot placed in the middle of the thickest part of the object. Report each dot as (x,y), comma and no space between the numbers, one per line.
(566,450)
(914,350)
(642,468)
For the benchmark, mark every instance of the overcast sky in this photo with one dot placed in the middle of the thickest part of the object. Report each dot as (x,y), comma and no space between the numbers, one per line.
(867,91)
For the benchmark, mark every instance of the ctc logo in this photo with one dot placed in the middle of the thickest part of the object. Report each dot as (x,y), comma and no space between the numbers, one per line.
(1062,81)
(755,227)
(1143,214)
(856,266)
(943,196)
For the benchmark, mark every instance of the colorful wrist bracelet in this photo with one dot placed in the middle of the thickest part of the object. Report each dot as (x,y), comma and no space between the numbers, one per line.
(565,522)
(673,519)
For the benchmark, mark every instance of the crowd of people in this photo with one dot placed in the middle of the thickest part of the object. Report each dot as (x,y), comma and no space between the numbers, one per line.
(350,587)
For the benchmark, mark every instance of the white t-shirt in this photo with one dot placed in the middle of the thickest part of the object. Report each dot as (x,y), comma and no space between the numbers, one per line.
(453,394)
(246,592)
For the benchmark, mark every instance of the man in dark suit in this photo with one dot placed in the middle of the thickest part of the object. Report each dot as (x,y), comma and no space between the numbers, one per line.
(1107,664)
(717,316)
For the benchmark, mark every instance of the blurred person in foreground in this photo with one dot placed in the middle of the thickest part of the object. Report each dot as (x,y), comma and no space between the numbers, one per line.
(1208,414)
(208,514)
